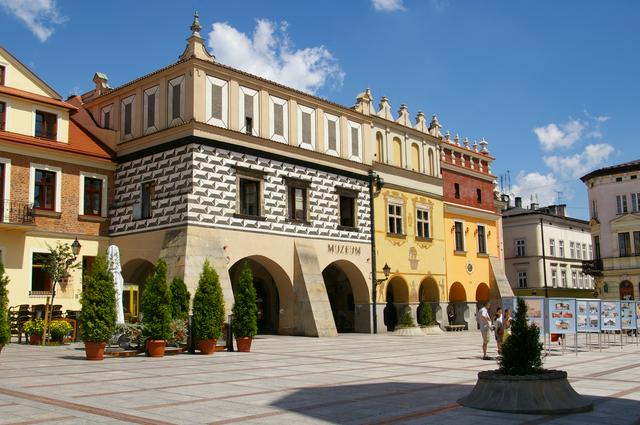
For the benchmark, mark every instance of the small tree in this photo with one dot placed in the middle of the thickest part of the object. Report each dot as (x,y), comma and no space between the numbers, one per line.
(5,322)
(180,298)
(407,321)
(156,304)
(208,305)
(426,315)
(522,350)
(245,309)
(98,301)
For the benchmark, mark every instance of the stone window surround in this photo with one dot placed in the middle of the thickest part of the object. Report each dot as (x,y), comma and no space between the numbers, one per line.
(329,117)
(354,156)
(255,94)
(32,179)
(255,175)
(83,174)
(170,85)
(344,192)
(422,207)
(123,103)
(274,100)
(151,127)
(395,203)
(301,184)
(312,131)
(224,85)
(103,112)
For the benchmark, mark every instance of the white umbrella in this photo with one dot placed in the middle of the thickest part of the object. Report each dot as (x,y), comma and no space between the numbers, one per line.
(113,262)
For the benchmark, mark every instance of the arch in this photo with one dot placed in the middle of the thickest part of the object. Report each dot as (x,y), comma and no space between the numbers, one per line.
(431,163)
(397,152)
(458,309)
(482,292)
(134,274)
(626,290)
(136,271)
(429,291)
(276,301)
(457,293)
(415,157)
(397,290)
(348,295)
(380,157)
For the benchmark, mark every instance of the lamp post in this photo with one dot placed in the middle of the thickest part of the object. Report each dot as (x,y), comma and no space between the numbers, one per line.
(386,270)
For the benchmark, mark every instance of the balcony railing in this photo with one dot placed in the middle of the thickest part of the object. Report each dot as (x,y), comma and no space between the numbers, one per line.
(592,267)
(16,212)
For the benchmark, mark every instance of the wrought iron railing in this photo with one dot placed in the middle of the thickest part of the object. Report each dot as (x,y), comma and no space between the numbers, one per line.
(16,212)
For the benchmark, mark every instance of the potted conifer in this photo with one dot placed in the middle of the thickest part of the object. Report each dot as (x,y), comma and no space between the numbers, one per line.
(5,325)
(156,310)
(98,316)
(245,311)
(426,320)
(521,385)
(208,310)
(180,298)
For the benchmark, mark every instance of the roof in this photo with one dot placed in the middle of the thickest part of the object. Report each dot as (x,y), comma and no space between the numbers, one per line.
(544,211)
(10,91)
(625,167)
(80,143)
(26,69)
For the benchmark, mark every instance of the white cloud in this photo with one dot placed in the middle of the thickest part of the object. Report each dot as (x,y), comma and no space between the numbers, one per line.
(40,16)
(539,187)
(574,166)
(388,5)
(270,53)
(553,136)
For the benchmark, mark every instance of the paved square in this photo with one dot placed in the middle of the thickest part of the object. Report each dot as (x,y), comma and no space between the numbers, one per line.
(351,379)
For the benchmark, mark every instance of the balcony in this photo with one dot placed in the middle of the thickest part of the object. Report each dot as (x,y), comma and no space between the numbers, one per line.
(16,215)
(592,267)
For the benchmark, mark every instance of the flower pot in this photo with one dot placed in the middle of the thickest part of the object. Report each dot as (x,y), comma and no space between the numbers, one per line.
(244,343)
(155,347)
(208,346)
(1,347)
(94,350)
(35,339)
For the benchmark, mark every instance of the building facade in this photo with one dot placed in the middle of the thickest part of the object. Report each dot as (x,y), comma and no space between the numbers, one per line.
(54,185)
(614,205)
(544,251)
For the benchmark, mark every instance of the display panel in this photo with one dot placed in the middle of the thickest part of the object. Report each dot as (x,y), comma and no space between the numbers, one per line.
(562,316)
(610,315)
(588,315)
(628,319)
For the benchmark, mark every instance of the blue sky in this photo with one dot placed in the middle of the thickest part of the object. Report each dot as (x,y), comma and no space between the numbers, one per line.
(552,85)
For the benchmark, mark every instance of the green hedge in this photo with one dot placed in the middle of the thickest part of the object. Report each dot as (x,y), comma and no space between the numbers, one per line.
(180,298)
(5,321)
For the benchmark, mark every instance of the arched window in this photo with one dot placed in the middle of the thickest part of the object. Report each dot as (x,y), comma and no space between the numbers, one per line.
(397,152)
(415,157)
(432,169)
(379,147)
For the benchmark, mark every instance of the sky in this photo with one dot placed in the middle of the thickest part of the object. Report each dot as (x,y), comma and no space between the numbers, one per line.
(552,85)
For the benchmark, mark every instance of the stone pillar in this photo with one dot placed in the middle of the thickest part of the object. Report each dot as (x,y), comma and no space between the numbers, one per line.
(363,319)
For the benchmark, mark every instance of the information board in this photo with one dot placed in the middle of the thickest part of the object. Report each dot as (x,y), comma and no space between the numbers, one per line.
(610,315)
(637,314)
(628,319)
(535,310)
(562,315)
(588,315)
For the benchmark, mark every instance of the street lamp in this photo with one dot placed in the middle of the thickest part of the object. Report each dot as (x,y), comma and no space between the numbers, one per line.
(387,271)
(75,247)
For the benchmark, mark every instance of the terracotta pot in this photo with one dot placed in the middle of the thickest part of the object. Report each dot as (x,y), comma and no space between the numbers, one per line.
(155,347)
(35,339)
(1,347)
(94,350)
(208,346)
(244,343)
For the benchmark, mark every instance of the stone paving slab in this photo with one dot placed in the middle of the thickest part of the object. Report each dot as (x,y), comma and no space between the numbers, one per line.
(349,379)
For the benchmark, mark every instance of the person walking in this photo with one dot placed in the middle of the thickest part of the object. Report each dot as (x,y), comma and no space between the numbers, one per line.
(484,320)
(499,328)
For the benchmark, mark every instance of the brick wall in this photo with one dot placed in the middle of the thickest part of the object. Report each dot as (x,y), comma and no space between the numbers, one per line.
(468,186)
(69,220)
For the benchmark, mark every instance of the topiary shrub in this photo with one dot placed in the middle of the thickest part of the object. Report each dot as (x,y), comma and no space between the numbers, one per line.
(156,304)
(426,316)
(208,305)
(98,301)
(407,321)
(5,322)
(180,298)
(245,309)
(59,329)
(522,350)
(34,327)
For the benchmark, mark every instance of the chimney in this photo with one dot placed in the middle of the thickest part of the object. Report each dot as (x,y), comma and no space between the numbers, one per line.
(506,199)
(518,202)
(560,210)
(533,206)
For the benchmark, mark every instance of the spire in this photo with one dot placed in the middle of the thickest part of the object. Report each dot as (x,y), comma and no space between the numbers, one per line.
(434,126)
(195,44)
(364,102)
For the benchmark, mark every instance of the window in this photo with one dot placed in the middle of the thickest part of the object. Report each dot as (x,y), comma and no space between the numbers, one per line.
(482,239)
(456,190)
(522,279)
(596,244)
(151,109)
(520,248)
(146,199)
(636,243)
(347,210)
(332,134)
(2,74)
(306,127)
(249,111)
(554,278)
(584,251)
(594,209)
(46,125)
(478,196)
(574,279)
(621,204)
(3,108)
(563,278)
(355,140)
(572,250)
(298,191)
(278,119)
(175,104)
(127,116)
(578,252)
(92,196)
(552,247)
(422,221)
(624,244)
(459,235)
(106,116)
(44,194)
(217,101)
(249,197)
(40,280)
(561,249)
(635,202)
(395,219)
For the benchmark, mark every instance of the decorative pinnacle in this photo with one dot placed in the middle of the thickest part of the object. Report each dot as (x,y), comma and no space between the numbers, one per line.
(195,26)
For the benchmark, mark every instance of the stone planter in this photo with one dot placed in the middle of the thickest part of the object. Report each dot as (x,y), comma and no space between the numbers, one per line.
(413,331)
(431,330)
(547,393)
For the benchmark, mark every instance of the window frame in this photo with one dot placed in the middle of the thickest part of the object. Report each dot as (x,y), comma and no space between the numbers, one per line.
(456,190)
(422,223)
(395,218)
(171,84)
(343,193)
(45,129)
(273,101)
(103,197)
(518,246)
(129,100)
(3,74)
(58,185)
(622,207)
(255,95)
(522,279)
(478,195)
(459,243)
(563,278)
(552,247)
(561,248)
(302,109)
(336,120)
(572,250)
(3,115)
(146,198)
(32,292)
(624,251)
(245,174)
(482,242)
(352,125)
(155,92)
(292,186)
(223,121)
(103,112)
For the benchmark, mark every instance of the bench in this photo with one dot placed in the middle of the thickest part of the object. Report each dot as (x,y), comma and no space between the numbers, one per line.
(454,328)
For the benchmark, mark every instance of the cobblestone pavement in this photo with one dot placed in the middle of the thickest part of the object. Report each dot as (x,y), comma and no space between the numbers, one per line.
(350,379)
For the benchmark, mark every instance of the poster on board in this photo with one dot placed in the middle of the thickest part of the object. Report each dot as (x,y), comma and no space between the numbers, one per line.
(588,315)
(562,315)
(637,314)
(610,315)
(628,319)
(535,309)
